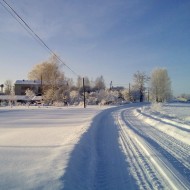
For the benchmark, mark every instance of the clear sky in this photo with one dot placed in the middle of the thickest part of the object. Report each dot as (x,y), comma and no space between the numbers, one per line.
(113,38)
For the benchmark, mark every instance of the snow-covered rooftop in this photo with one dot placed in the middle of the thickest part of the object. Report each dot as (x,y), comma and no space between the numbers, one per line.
(28,82)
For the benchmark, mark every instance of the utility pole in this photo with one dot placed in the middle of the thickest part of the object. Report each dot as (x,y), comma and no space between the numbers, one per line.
(129,92)
(110,85)
(41,85)
(84,94)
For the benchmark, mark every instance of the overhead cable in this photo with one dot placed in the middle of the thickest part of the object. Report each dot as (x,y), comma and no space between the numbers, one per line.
(26,26)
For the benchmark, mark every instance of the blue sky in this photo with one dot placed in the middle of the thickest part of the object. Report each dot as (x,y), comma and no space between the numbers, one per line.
(113,38)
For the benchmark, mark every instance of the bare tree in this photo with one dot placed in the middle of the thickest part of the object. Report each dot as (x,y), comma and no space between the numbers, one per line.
(140,79)
(160,85)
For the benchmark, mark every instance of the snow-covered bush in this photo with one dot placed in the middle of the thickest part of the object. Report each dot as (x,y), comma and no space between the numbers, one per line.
(74,97)
(30,94)
(81,104)
(156,107)
(58,104)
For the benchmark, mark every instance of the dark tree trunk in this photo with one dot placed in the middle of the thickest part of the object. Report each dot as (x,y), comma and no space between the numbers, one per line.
(141,96)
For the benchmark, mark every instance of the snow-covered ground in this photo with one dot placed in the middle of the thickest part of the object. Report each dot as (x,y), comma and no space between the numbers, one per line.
(36,144)
(173,118)
(135,146)
(179,112)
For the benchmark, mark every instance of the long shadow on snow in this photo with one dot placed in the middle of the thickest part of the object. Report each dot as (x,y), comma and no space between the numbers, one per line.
(97,161)
(185,172)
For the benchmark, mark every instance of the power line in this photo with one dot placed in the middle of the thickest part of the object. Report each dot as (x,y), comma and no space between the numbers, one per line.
(26,26)
(16,18)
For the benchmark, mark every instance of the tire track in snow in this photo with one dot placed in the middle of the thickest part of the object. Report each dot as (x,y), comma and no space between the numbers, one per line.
(100,162)
(144,172)
(97,162)
(177,148)
(157,141)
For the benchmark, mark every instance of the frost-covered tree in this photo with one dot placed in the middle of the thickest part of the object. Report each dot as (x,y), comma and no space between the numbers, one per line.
(135,94)
(87,84)
(99,83)
(79,84)
(48,71)
(102,95)
(75,97)
(69,82)
(160,85)
(8,87)
(126,95)
(49,96)
(53,79)
(140,79)
(29,93)
(113,96)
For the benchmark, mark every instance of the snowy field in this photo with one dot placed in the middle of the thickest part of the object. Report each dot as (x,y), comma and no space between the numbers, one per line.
(179,112)
(36,143)
(136,146)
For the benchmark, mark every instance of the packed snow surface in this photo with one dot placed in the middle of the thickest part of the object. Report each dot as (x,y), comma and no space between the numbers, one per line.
(136,146)
(36,144)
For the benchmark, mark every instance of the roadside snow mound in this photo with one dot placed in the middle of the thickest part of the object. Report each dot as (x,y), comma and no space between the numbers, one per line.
(178,112)
(172,125)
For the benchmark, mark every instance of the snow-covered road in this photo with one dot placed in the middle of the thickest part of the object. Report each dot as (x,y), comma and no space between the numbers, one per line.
(121,151)
(117,148)
(157,160)
(97,161)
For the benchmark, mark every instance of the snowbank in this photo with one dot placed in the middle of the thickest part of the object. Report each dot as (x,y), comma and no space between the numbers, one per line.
(169,118)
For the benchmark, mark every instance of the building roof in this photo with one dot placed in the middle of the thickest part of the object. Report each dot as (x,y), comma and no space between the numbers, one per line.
(28,82)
